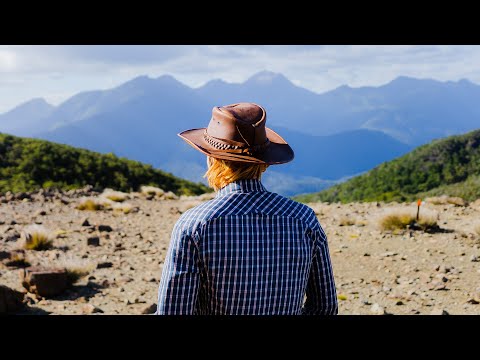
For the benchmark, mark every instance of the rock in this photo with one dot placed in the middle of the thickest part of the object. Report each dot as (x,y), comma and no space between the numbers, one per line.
(91,309)
(85,222)
(438,311)
(150,309)
(105,228)
(13,237)
(40,213)
(389,254)
(377,309)
(4,255)
(474,258)
(93,241)
(44,282)
(104,265)
(10,300)
(473,301)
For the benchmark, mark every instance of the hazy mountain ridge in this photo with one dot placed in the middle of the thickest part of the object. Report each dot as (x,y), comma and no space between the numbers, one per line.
(140,118)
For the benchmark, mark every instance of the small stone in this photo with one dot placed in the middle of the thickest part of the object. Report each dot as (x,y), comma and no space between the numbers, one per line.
(104,265)
(105,228)
(150,309)
(85,222)
(399,302)
(366,302)
(12,237)
(93,241)
(4,255)
(473,301)
(40,213)
(438,311)
(377,309)
(366,254)
(91,309)
(389,254)
(474,258)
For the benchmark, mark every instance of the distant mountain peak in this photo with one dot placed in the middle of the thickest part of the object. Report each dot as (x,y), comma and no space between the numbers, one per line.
(37,101)
(267,78)
(35,104)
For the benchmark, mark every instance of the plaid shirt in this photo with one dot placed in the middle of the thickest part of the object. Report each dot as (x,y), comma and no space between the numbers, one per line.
(248,251)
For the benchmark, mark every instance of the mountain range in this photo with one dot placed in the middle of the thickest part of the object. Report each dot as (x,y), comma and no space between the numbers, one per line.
(335,135)
(449,166)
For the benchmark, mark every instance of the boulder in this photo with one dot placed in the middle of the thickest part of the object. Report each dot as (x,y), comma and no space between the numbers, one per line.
(10,300)
(44,282)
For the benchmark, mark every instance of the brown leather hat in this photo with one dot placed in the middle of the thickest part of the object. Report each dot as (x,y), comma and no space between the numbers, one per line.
(237,132)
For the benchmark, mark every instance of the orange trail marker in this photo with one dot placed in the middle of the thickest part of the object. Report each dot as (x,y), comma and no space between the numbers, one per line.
(419,202)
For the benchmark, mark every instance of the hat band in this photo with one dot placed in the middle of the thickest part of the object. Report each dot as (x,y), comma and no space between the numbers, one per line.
(227,145)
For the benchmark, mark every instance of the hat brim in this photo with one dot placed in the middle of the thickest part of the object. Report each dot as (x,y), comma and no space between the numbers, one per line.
(277,152)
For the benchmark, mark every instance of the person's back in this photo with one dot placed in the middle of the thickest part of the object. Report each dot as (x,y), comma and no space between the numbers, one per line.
(247,251)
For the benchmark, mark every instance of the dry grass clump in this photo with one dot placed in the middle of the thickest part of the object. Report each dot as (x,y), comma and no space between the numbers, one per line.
(37,238)
(76,268)
(346,221)
(444,200)
(125,208)
(477,229)
(170,196)
(90,204)
(116,196)
(400,219)
(151,190)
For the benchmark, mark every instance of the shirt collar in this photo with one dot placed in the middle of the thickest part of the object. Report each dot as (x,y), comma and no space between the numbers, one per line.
(241,186)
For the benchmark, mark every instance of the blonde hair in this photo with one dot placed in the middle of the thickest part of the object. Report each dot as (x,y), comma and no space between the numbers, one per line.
(223,172)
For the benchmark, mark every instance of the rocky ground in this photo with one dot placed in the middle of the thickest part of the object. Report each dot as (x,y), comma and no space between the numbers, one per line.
(376,271)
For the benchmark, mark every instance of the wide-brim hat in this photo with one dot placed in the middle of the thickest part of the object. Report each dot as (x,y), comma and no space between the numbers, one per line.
(237,132)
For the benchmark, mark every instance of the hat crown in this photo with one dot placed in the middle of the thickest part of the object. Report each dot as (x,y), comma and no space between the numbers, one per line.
(242,123)
(245,112)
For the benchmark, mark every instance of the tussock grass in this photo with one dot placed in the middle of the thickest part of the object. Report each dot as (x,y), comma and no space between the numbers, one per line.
(346,221)
(125,208)
(37,238)
(151,190)
(445,199)
(116,196)
(76,268)
(400,219)
(90,204)
(170,196)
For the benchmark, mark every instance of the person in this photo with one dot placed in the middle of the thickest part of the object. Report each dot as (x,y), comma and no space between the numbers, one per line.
(247,251)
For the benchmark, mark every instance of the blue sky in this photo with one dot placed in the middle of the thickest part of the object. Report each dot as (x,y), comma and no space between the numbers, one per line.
(58,72)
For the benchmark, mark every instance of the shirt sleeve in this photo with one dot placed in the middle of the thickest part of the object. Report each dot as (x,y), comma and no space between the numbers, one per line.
(179,284)
(321,293)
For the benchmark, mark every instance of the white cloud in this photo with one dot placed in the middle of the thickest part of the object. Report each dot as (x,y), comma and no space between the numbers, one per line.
(57,72)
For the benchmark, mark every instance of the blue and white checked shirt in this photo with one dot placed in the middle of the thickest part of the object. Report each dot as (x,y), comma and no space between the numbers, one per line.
(248,251)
